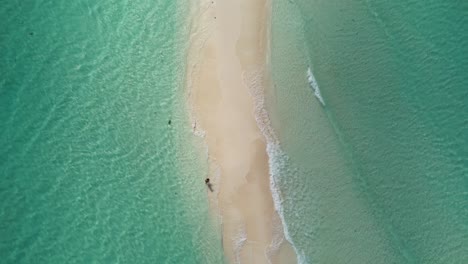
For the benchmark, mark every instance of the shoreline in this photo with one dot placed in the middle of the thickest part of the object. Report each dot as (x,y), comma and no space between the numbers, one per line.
(227,70)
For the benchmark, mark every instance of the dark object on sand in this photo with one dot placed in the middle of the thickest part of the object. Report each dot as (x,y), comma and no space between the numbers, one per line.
(169,122)
(208,183)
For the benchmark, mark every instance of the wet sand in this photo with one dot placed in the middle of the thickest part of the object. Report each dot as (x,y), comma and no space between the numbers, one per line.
(229,41)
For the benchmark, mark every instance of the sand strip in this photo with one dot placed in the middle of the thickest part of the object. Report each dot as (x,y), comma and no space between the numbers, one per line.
(229,41)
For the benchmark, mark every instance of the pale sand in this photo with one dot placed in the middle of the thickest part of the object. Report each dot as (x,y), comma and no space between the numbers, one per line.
(229,40)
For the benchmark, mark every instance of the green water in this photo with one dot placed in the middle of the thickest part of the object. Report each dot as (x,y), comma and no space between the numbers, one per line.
(91,171)
(379,175)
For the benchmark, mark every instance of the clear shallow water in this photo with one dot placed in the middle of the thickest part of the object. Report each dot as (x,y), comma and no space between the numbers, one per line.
(90,170)
(380,174)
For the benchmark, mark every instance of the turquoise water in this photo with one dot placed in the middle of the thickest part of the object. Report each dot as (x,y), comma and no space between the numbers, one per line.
(91,171)
(380,174)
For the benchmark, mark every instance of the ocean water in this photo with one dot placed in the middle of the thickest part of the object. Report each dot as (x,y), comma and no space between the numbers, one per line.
(91,170)
(378,173)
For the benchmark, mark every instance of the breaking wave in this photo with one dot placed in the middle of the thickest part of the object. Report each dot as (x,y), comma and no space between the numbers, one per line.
(277,159)
(313,84)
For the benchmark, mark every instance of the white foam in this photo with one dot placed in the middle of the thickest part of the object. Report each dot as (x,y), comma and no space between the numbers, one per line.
(239,242)
(313,84)
(197,131)
(277,162)
(277,159)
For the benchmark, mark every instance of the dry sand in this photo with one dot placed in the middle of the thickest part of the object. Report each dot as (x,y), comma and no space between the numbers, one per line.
(229,40)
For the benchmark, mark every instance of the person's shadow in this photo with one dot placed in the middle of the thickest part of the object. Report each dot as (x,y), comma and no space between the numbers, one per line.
(208,184)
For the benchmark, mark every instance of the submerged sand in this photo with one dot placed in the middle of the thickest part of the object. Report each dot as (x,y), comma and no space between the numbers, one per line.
(229,44)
